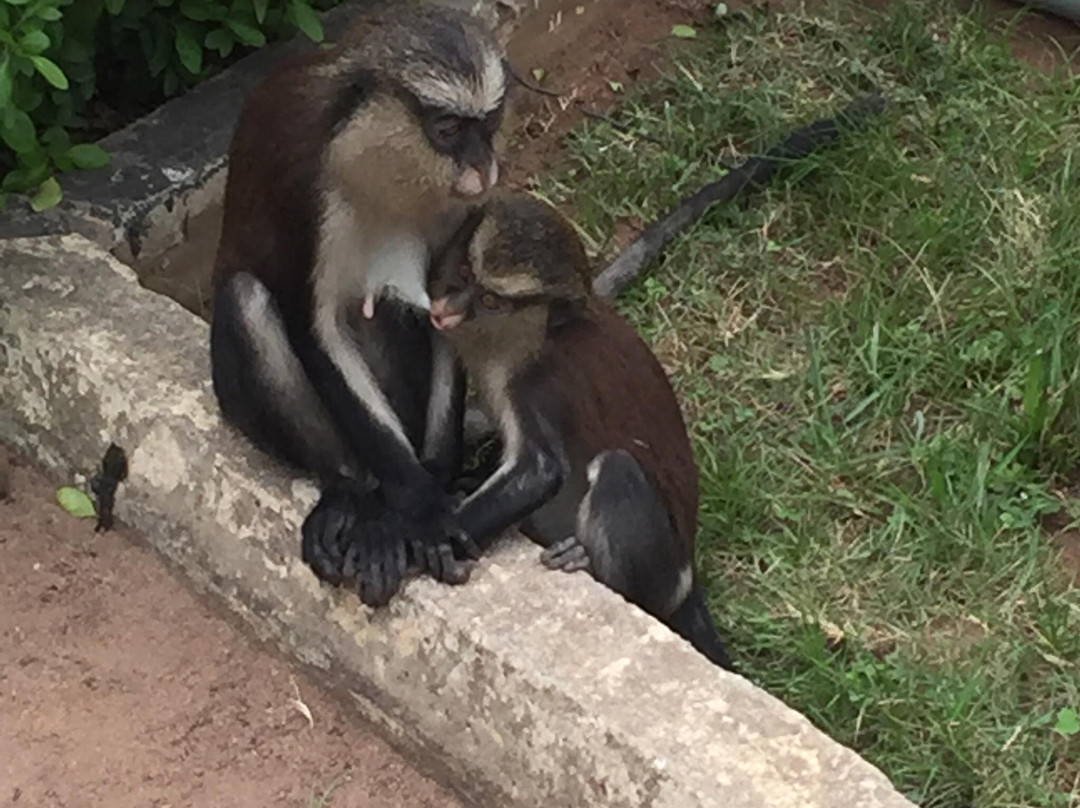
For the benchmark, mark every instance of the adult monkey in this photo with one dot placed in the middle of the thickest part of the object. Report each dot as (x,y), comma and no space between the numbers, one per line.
(348,169)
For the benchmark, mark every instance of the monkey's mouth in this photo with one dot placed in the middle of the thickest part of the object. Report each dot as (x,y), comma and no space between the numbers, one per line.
(443,317)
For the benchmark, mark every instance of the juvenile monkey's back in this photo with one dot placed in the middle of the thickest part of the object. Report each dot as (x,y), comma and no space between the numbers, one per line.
(624,400)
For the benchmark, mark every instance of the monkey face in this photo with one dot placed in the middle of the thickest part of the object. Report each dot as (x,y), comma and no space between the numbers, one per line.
(469,141)
(458,297)
(513,254)
(417,107)
(456,84)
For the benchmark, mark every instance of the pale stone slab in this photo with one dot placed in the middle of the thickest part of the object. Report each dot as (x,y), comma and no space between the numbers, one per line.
(523,688)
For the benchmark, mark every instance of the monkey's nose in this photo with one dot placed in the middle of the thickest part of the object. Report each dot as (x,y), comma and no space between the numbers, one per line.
(469,183)
(474,180)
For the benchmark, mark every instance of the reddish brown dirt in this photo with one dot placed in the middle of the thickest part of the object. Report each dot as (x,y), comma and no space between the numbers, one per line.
(1042,40)
(1067,542)
(118,688)
(1063,533)
(582,54)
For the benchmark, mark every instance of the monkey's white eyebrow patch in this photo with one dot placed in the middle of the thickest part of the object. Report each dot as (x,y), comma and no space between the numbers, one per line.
(516,285)
(492,82)
(451,92)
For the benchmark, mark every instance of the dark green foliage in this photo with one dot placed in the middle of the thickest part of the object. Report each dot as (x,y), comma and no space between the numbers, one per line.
(71,70)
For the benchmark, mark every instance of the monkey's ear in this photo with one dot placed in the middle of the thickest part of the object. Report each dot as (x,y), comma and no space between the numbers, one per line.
(560,312)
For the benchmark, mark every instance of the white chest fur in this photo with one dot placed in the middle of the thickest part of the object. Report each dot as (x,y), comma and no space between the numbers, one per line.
(357,259)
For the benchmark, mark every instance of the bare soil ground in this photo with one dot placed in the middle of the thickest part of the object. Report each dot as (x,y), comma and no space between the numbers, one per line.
(119,688)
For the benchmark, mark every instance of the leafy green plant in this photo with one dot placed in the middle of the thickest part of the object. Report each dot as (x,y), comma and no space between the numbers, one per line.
(71,70)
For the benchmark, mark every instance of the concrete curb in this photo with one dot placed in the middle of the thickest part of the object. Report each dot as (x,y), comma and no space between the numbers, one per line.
(524,688)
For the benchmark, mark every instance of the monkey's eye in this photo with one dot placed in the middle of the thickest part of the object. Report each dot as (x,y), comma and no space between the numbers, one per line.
(489,301)
(448,127)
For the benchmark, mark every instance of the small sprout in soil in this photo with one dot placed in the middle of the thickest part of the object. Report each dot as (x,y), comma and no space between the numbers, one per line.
(75,502)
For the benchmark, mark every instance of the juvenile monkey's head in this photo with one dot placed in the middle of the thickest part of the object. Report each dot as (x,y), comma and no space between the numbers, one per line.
(516,265)
(419,101)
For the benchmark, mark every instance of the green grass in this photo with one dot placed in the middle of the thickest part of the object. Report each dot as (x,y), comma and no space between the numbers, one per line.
(879,357)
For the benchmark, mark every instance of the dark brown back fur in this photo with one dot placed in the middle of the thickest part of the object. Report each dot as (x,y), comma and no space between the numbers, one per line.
(271,200)
(622,399)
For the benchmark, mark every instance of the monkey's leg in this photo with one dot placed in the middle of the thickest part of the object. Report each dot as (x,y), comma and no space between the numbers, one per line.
(632,548)
(263,390)
(261,386)
(345,382)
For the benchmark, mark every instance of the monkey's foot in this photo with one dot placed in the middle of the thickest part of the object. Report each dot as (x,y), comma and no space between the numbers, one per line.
(376,558)
(568,555)
(353,535)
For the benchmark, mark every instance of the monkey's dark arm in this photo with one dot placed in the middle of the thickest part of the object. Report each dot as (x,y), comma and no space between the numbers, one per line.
(373,431)
(356,532)
(528,478)
(751,175)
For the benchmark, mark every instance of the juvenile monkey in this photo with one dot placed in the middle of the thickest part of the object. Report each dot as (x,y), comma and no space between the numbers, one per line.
(348,170)
(597,464)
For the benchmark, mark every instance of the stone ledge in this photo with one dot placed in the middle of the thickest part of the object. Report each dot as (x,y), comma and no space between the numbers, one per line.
(524,688)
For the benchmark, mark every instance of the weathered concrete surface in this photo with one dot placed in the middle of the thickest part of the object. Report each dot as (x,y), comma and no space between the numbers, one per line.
(527,687)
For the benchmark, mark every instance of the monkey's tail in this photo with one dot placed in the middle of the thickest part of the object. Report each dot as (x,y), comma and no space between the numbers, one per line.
(754,173)
(692,622)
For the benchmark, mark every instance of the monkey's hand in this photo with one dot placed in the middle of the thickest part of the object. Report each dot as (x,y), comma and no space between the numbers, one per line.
(353,535)
(376,557)
(568,555)
(437,544)
(436,547)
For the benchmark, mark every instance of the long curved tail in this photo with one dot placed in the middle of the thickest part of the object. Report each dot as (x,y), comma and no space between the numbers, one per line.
(754,173)
(692,622)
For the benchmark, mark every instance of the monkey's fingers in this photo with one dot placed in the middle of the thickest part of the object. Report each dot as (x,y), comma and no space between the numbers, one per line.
(460,538)
(374,586)
(355,559)
(320,548)
(567,555)
(401,559)
(471,548)
(454,572)
(434,560)
(325,567)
